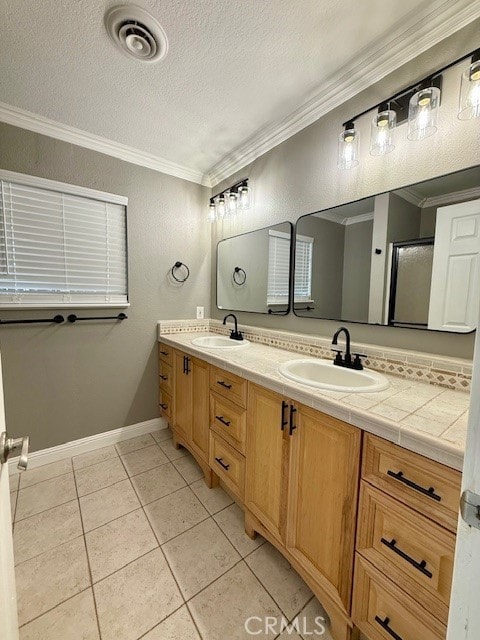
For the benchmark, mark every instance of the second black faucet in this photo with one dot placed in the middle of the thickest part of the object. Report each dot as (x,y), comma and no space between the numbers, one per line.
(346,361)
(235,334)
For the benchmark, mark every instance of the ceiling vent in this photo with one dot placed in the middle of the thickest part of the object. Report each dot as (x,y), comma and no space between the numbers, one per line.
(136,33)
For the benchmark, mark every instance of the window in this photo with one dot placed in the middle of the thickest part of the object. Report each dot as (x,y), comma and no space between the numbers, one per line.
(303,269)
(60,245)
(279,268)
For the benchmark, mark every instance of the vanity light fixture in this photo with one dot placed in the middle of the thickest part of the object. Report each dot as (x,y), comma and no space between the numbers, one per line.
(382,131)
(236,198)
(348,142)
(418,104)
(470,90)
(423,110)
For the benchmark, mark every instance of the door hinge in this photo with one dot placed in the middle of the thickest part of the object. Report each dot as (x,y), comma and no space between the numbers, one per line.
(470,508)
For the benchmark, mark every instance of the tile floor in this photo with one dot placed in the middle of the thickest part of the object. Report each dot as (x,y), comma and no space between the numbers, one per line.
(127,542)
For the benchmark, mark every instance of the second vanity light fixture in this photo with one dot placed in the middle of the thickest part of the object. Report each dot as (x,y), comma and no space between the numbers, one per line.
(419,105)
(236,198)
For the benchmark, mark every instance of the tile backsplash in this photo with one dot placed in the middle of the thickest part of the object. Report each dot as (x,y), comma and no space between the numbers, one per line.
(451,373)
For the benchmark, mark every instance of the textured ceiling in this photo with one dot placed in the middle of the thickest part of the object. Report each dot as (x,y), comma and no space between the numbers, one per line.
(233,67)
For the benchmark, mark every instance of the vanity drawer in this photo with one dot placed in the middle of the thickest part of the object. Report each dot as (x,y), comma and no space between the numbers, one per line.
(228,464)
(412,551)
(228,420)
(165,402)
(382,611)
(229,386)
(425,485)
(165,353)
(165,373)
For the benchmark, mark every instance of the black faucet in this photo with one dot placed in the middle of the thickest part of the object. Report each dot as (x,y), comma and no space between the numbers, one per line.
(347,360)
(235,334)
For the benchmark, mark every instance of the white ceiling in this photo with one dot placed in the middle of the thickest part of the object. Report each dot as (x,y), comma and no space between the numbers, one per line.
(235,81)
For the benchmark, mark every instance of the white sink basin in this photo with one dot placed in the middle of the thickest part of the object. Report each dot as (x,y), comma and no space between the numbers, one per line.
(326,375)
(219,342)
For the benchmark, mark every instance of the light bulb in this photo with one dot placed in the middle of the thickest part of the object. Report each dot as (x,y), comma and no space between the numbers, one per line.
(231,203)
(422,113)
(382,130)
(244,199)
(212,213)
(220,206)
(348,147)
(469,106)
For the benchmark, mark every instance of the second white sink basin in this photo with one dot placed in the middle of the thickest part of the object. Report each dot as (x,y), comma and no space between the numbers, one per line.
(326,375)
(219,342)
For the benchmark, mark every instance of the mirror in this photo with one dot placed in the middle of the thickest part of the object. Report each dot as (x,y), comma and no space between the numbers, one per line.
(253,271)
(406,258)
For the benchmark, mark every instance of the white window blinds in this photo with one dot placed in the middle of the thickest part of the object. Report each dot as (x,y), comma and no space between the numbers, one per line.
(59,247)
(303,269)
(278,267)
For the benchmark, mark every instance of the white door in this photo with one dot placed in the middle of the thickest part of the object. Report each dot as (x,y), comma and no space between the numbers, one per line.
(8,595)
(454,295)
(464,620)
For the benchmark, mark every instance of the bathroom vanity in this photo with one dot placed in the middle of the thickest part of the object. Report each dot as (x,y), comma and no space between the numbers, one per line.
(368,524)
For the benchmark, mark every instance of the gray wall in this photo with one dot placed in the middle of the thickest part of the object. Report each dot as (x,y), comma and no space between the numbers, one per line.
(357,266)
(403,220)
(250,252)
(327,264)
(71,381)
(300,176)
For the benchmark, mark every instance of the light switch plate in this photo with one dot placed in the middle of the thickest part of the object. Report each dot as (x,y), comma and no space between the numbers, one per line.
(200,313)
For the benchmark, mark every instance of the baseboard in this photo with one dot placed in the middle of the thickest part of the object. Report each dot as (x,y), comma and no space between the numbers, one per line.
(97,441)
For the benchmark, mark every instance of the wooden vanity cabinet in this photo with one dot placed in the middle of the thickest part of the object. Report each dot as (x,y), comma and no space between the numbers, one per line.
(267,458)
(192,402)
(298,473)
(405,544)
(302,474)
(322,498)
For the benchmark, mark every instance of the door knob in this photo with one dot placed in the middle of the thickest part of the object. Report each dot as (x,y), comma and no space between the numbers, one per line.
(14,445)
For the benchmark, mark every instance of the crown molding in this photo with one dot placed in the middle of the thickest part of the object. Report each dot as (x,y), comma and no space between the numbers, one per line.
(452,198)
(356,219)
(415,35)
(410,195)
(34,122)
(331,216)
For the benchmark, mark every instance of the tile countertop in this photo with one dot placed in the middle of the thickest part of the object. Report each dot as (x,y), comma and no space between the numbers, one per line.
(421,417)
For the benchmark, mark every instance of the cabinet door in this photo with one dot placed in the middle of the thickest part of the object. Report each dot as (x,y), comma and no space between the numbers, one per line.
(323,486)
(267,459)
(200,406)
(183,394)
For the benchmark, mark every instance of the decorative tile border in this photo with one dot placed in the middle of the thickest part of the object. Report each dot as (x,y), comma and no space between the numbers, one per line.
(451,373)
(183,326)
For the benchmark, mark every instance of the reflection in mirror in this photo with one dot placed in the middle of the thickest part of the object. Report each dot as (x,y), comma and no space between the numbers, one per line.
(253,271)
(408,258)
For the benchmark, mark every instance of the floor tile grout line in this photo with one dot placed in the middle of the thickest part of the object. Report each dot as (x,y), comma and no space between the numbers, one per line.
(164,557)
(88,559)
(98,461)
(44,613)
(61,544)
(35,484)
(134,450)
(97,582)
(161,621)
(266,589)
(60,504)
(195,624)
